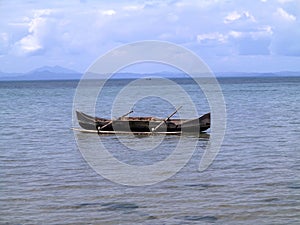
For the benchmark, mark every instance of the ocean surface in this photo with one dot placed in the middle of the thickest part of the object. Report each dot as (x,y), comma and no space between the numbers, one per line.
(255,178)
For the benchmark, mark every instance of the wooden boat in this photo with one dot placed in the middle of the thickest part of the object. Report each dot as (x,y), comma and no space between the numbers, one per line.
(143,124)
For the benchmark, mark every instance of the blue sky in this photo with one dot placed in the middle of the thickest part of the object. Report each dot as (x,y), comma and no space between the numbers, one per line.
(247,36)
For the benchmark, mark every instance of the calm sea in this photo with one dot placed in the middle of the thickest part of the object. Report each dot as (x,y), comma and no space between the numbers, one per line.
(255,178)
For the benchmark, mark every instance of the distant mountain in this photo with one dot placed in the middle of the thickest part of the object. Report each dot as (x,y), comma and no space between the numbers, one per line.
(61,73)
(54,69)
(9,75)
(288,74)
(44,73)
(258,74)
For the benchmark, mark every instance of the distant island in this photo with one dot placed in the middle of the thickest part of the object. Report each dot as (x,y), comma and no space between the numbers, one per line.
(43,73)
(61,73)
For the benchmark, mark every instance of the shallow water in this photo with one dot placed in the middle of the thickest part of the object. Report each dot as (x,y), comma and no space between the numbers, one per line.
(253,180)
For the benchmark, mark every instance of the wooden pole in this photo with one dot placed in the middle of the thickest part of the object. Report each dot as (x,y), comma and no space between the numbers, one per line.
(154,129)
(131,111)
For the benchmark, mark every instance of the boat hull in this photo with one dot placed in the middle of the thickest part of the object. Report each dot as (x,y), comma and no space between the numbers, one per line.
(143,124)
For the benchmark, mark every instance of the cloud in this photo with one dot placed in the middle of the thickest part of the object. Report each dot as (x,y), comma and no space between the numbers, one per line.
(77,33)
(285,15)
(4,42)
(249,46)
(236,16)
(236,34)
(285,40)
(29,44)
(254,42)
(109,12)
(284,1)
(259,32)
(133,7)
(286,43)
(215,37)
(37,29)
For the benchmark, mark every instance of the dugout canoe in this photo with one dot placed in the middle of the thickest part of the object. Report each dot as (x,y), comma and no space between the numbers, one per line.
(143,124)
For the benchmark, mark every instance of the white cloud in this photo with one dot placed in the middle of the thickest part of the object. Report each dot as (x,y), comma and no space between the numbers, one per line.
(4,42)
(260,32)
(285,15)
(199,4)
(133,7)
(42,12)
(235,34)
(109,12)
(264,31)
(80,32)
(4,37)
(202,38)
(172,17)
(236,16)
(29,44)
(284,1)
(36,26)
(232,17)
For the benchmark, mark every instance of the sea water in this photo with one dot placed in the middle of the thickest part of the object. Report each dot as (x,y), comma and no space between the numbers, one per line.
(255,178)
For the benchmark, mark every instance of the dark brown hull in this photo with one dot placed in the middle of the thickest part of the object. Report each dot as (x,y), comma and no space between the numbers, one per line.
(143,124)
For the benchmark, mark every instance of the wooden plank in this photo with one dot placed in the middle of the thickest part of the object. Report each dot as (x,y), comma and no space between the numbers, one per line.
(122,132)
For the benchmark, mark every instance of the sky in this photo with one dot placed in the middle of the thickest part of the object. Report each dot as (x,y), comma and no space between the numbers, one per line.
(228,35)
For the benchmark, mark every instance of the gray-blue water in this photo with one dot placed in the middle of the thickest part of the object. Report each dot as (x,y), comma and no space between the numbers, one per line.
(255,178)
